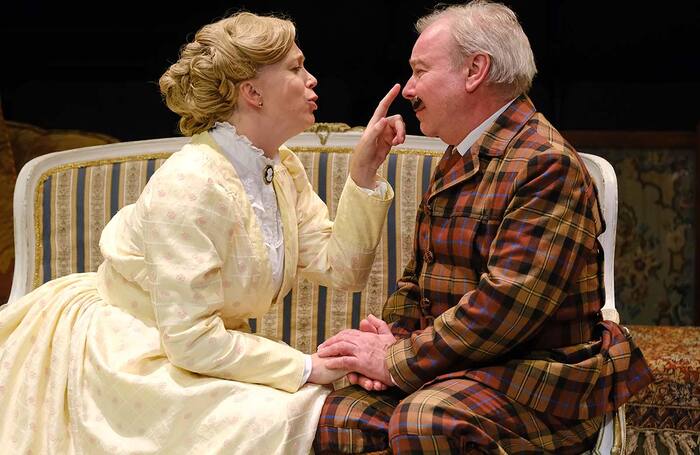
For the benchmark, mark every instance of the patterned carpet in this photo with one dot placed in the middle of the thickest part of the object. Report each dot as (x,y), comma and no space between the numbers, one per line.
(665,417)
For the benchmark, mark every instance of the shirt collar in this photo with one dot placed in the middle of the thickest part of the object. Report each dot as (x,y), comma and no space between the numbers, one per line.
(474,134)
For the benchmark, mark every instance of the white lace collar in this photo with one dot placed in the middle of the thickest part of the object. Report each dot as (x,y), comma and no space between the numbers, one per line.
(245,156)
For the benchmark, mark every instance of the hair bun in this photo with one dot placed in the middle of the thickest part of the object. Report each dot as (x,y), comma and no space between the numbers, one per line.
(202,86)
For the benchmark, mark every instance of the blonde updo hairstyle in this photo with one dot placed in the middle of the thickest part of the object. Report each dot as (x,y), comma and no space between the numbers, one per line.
(202,86)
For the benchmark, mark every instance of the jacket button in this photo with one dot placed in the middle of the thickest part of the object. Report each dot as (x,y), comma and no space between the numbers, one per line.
(428,257)
(426,209)
(425,304)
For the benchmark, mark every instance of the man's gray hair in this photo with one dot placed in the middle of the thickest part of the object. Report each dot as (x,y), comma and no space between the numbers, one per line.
(493,29)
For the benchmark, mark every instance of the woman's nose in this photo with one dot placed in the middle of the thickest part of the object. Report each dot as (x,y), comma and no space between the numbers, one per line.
(311,81)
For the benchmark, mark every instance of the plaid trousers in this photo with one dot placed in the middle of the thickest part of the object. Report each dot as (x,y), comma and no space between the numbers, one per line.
(451,416)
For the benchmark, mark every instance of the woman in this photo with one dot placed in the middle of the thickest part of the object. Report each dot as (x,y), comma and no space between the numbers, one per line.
(152,352)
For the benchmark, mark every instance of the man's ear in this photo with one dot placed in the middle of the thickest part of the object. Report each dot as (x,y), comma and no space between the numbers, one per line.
(249,94)
(477,68)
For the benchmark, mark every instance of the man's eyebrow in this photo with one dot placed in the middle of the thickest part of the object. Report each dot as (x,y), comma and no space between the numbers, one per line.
(415,62)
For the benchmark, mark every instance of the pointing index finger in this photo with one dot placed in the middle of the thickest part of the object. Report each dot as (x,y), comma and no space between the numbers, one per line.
(383,106)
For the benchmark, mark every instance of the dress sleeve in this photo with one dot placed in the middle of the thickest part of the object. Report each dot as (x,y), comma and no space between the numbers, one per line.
(542,243)
(340,253)
(187,223)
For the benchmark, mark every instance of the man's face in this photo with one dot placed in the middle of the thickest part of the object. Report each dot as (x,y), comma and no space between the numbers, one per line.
(436,88)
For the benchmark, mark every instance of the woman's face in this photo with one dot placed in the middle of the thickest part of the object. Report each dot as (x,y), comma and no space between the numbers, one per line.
(287,93)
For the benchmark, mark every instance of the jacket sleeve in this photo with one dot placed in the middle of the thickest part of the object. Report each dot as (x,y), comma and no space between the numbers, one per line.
(402,309)
(187,225)
(546,232)
(339,253)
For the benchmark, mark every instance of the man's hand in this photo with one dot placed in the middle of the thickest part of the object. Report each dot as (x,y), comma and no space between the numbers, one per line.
(361,352)
(381,134)
(366,383)
(370,324)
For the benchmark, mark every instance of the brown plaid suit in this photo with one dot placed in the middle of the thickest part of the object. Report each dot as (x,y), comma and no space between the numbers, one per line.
(502,345)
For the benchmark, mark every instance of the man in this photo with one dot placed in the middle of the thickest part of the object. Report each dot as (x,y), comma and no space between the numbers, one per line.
(495,341)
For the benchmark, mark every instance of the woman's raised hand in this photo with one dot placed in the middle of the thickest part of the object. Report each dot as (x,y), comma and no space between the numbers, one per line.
(381,134)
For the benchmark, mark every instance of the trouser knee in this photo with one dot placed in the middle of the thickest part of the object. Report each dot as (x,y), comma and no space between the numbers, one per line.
(423,424)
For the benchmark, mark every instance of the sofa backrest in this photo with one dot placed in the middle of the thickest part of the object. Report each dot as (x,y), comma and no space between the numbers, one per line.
(63,201)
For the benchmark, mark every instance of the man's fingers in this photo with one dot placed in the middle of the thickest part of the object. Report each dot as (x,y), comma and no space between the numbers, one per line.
(370,384)
(379,386)
(367,326)
(341,363)
(383,106)
(367,383)
(344,335)
(336,349)
(375,321)
(380,326)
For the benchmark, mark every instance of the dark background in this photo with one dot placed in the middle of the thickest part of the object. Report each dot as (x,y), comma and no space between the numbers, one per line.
(602,65)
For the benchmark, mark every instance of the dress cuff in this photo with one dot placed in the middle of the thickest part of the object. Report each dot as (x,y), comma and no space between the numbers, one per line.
(307,369)
(379,190)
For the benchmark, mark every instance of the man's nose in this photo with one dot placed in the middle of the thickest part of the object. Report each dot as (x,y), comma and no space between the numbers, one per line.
(408,89)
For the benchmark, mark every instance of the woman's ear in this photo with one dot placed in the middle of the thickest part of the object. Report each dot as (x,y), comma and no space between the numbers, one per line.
(249,94)
(477,68)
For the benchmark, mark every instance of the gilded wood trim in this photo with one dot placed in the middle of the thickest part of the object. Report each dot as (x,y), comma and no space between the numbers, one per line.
(394,151)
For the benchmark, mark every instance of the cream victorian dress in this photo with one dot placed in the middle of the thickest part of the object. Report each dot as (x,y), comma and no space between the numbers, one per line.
(151,354)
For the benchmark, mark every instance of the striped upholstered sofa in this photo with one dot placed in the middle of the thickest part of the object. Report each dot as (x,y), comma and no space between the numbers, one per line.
(63,200)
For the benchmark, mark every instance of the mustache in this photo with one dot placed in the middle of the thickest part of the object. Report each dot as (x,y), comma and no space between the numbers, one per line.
(416,103)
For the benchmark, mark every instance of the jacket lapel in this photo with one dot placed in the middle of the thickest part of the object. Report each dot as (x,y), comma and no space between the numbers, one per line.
(452,169)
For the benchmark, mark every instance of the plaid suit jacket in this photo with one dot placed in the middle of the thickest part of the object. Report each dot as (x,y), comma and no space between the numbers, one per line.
(505,287)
